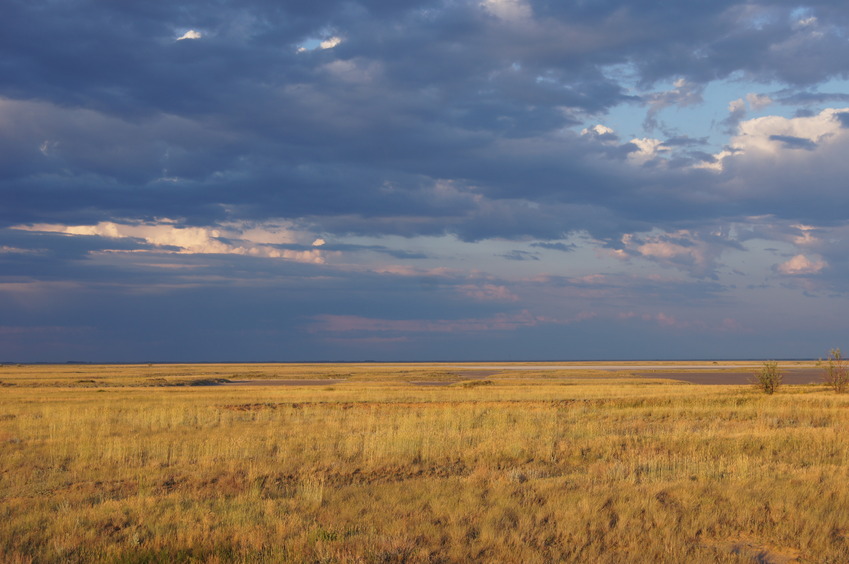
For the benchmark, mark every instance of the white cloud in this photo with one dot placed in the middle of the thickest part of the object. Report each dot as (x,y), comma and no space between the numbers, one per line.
(330,43)
(597,129)
(228,239)
(647,149)
(783,141)
(314,43)
(800,264)
(191,34)
(508,10)
(601,133)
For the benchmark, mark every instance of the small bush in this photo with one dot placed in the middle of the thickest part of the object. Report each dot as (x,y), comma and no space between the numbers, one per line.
(769,378)
(476,383)
(836,372)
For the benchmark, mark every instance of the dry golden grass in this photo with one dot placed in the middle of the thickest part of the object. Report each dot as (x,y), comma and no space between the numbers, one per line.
(378,469)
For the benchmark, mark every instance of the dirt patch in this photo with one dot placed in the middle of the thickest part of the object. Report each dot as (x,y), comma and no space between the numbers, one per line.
(461,383)
(757,553)
(475,374)
(793,377)
(253,406)
(283,382)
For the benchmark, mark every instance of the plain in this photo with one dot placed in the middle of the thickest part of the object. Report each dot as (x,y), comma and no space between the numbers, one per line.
(415,463)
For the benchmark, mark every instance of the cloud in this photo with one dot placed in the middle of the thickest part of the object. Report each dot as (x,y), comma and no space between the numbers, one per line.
(662,319)
(518,255)
(684,141)
(684,93)
(791,142)
(601,133)
(842,118)
(758,101)
(776,139)
(509,10)
(562,247)
(802,265)
(648,150)
(737,109)
(683,249)
(356,324)
(6,249)
(336,325)
(806,235)
(191,34)
(459,135)
(166,237)
(736,113)
(487,292)
(330,42)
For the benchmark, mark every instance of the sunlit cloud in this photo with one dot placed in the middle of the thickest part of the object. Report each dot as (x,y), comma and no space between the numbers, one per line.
(681,249)
(806,236)
(647,150)
(170,238)
(190,34)
(800,265)
(330,43)
(319,44)
(769,137)
(6,249)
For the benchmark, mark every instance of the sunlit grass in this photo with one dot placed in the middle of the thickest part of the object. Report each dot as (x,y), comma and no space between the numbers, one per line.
(378,469)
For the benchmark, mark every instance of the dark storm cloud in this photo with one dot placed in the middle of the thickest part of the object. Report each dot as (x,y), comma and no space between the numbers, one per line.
(463,121)
(111,116)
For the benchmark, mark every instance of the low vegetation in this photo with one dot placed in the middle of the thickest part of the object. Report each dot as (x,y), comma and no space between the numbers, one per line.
(769,379)
(381,469)
(836,372)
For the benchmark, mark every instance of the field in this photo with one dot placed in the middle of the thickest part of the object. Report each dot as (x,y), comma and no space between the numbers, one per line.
(415,463)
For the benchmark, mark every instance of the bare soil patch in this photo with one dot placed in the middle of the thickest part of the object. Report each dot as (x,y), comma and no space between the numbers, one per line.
(327,382)
(793,377)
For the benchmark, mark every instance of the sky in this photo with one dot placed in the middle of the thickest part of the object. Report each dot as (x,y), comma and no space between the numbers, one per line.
(267,180)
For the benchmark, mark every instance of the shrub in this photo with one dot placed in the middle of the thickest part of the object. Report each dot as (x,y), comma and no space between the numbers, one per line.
(836,372)
(769,378)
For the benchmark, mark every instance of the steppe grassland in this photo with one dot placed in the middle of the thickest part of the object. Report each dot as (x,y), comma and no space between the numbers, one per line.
(571,467)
